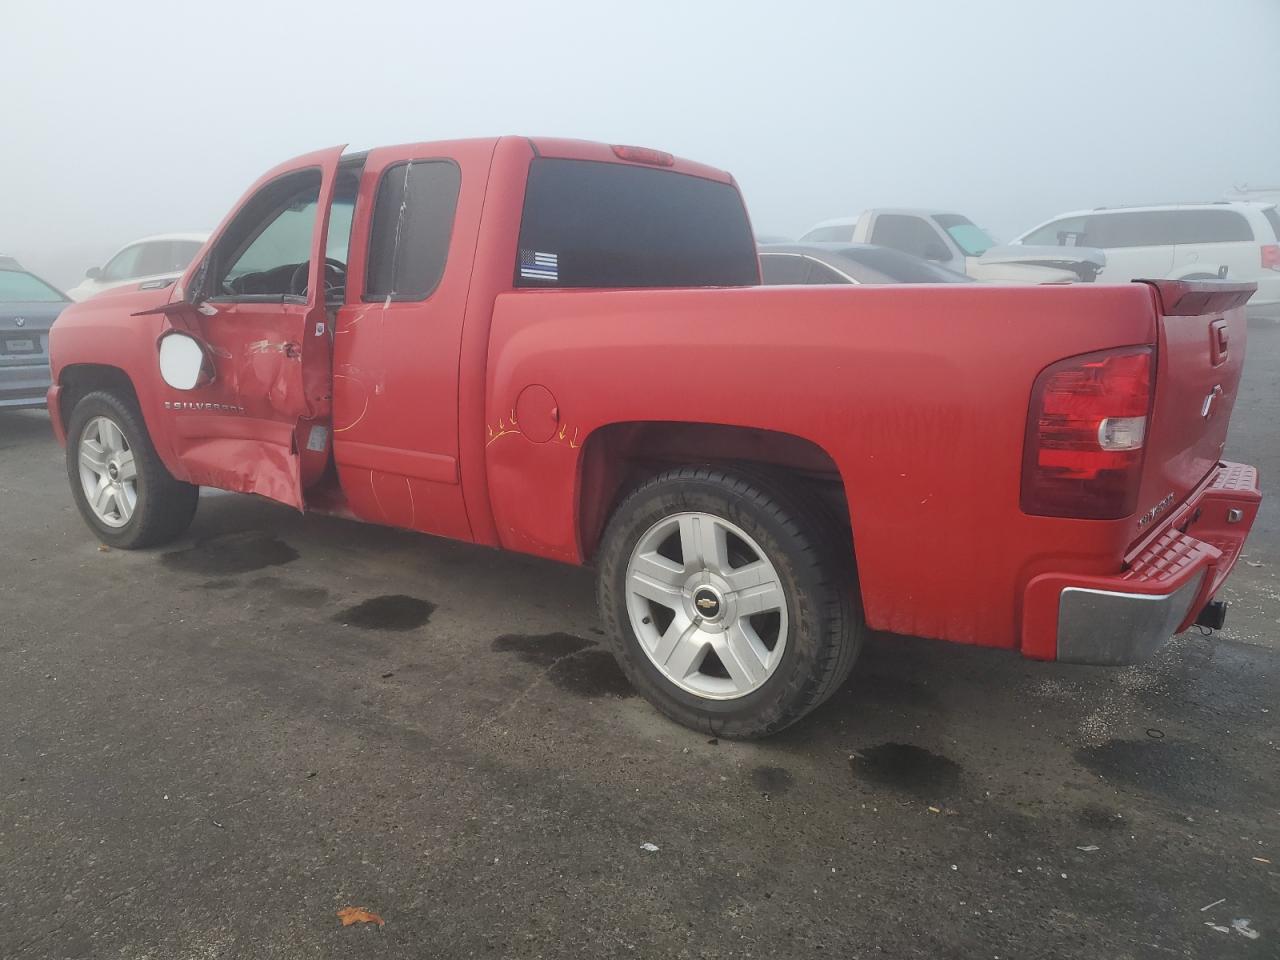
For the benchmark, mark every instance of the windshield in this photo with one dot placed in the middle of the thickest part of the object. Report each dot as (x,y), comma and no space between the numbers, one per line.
(17,286)
(968,236)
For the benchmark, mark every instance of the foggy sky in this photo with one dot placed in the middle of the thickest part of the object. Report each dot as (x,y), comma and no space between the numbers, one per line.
(130,118)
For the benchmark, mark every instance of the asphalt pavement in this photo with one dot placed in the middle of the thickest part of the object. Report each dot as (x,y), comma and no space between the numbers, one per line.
(210,749)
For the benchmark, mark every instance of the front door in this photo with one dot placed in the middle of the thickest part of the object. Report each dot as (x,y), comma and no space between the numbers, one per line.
(262,425)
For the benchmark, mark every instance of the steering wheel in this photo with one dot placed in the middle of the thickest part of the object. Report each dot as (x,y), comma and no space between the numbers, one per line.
(335,276)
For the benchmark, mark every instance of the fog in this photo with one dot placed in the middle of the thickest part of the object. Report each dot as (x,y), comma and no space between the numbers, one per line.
(133,118)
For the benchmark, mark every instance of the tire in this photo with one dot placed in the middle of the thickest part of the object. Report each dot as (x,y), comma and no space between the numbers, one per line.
(140,502)
(694,637)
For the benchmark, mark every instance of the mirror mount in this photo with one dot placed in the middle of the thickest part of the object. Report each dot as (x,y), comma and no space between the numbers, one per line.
(185,363)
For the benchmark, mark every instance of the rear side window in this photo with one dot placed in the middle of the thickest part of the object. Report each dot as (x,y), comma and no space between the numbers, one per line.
(1273,218)
(591,224)
(778,269)
(412,223)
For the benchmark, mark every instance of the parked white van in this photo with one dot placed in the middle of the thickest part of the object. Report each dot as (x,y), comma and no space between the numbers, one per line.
(1238,240)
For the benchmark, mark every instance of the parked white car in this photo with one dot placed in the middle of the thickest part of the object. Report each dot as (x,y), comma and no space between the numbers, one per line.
(954,241)
(1236,240)
(151,258)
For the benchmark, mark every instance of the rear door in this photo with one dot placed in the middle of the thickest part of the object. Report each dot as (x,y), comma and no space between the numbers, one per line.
(1200,354)
(1215,242)
(398,337)
(262,425)
(1139,244)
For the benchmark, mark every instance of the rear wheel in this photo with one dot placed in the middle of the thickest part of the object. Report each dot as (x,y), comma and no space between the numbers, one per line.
(120,486)
(731,606)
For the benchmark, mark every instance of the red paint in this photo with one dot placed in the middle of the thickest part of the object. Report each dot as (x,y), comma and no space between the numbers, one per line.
(515,418)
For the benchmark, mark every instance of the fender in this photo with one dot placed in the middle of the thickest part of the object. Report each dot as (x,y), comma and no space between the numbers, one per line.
(105,331)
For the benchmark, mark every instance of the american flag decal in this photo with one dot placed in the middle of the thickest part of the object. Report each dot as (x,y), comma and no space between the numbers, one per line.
(539,266)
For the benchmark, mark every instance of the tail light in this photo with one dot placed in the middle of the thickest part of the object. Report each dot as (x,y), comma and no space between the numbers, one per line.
(1085,434)
(1271,257)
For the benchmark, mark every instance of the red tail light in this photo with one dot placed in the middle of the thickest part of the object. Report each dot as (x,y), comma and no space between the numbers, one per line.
(1271,257)
(1085,435)
(655,158)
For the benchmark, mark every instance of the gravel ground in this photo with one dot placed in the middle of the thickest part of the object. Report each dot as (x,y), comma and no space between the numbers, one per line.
(213,748)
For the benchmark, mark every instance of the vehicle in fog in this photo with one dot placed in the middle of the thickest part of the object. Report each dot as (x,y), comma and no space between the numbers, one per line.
(151,259)
(954,241)
(802,263)
(563,348)
(1235,240)
(28,307)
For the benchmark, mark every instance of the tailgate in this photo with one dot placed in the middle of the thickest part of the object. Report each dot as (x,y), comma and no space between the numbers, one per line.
(1200,354)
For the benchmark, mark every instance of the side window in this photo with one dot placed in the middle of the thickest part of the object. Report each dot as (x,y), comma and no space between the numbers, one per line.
(908,234)
(821,273)
(1067,232)
(181,253)
(840,233)
(1211,226)
(123,265)
(266,250)
(156,257)
(783,268)
(412,223)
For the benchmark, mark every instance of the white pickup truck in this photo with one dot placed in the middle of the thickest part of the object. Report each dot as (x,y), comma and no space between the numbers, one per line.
(954,241)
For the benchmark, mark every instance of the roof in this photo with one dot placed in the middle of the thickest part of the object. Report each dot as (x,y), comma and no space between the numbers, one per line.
(906,211)
(199,237)
(1154,207)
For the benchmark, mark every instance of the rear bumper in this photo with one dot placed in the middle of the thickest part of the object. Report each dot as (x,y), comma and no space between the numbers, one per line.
(24,386)
(1124,618)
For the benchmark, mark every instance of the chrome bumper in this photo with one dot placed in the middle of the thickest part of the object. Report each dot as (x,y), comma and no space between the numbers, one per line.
(1111,628)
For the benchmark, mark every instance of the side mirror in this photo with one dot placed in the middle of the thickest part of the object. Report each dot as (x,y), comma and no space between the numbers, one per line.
(938,252)
(93,273)
(184,363)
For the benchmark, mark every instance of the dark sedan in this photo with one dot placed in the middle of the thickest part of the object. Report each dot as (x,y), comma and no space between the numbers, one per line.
(28,307)
(802,263)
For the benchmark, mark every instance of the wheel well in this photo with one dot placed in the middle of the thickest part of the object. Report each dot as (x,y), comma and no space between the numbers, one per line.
(79,380)
(618,458)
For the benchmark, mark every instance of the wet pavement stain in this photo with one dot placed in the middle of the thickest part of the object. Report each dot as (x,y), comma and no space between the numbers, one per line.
(592,673)
(1177,771)
(307,597)
(234,553)
(774,781)
(541,649)
(392,612)
(573,665)
(906,767)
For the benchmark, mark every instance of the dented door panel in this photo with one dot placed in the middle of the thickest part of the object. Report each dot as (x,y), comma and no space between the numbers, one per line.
(250,429)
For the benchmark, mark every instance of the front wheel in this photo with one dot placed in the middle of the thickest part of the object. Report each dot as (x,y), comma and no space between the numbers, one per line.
(731,605)
(120,486)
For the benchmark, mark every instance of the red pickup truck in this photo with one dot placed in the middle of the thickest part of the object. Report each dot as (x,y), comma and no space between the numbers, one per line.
(562,348)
